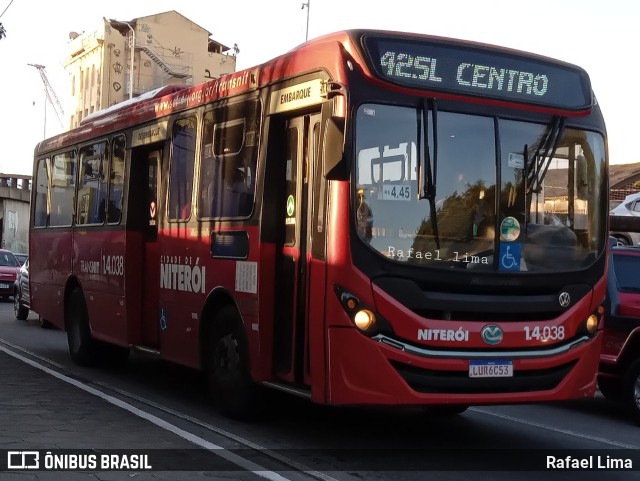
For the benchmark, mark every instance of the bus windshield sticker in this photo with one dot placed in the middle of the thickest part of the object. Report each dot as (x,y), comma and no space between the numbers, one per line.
(396,192)
(516,161)
(510,257)
(509,229)
(480,71)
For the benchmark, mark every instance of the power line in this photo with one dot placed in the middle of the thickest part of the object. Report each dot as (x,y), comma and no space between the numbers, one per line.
(6,8)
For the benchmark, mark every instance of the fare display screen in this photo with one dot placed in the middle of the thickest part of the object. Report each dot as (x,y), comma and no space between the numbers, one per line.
(479,72)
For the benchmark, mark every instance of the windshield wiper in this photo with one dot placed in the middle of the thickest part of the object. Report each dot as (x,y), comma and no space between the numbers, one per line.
(428,170)
(540,163)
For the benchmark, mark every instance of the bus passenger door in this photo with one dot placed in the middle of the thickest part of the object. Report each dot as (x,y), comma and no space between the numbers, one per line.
(292,269)
(143,203)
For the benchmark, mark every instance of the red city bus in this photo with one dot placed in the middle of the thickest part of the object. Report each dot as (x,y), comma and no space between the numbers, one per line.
(373,218)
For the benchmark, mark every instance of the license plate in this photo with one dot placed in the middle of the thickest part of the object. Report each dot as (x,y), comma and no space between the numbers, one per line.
(490,368)
(5,286)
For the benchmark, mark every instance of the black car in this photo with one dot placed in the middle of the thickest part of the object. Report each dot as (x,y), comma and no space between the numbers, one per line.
(21,257)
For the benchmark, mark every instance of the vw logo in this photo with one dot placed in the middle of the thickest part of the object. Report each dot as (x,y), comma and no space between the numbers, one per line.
(492,334)
(564,299)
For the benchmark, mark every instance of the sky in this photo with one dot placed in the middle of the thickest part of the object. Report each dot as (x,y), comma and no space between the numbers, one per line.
(597,35)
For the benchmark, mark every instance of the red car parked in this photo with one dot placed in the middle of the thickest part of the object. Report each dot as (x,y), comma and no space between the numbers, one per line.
(9,267)
(619,375)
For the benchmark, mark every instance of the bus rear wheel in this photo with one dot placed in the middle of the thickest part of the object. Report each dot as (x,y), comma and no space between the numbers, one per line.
(82,347)
(228,371)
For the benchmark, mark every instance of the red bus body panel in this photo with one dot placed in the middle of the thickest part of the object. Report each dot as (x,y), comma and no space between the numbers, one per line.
(158,307)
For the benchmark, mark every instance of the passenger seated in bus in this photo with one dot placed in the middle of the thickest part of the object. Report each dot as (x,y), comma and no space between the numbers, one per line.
(234,197)
(186,211)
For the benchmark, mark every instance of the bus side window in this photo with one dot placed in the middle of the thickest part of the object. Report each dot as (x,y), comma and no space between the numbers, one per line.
(41,209)
(183,152)
(116,180)
(207,168)
(228,181)
(63,181)
(92,184)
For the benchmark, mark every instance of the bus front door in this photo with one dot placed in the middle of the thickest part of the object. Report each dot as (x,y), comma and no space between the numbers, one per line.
(292,271)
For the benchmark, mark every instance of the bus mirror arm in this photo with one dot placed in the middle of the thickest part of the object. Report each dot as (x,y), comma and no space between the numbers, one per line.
(332,135)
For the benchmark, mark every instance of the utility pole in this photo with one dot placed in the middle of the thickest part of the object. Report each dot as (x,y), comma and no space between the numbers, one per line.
(51,97)
(308,5)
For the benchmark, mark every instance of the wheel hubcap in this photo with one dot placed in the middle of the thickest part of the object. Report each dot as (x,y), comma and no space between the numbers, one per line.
(227,356)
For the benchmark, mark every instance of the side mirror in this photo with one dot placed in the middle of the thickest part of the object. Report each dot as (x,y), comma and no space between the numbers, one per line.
(332,139)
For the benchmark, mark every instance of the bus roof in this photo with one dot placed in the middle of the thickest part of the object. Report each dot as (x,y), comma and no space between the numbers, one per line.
(301,59)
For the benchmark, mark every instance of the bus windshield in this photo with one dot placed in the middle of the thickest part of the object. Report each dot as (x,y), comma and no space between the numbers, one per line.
(509,195)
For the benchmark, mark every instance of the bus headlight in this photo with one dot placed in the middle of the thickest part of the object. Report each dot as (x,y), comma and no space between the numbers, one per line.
(364,319)
(361,314)
(592,324)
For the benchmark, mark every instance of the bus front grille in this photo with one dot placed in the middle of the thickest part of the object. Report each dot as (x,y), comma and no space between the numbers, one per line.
(459,382)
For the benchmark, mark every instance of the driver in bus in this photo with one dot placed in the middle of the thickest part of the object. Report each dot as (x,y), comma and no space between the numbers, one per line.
(364,217)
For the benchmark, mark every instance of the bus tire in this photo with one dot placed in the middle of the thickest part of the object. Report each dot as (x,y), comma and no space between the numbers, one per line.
(632,389)
(82,347)
(445,409)
(611,389)
(44,324)
(228,372)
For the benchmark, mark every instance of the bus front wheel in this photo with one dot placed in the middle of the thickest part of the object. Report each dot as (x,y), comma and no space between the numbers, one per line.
(228,372)
(445,409)
(82,347)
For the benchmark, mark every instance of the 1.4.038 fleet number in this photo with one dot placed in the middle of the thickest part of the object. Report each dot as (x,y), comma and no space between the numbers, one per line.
(545,333)
(113,265)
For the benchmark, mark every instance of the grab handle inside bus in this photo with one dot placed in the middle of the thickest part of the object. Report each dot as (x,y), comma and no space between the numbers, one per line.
(332,144)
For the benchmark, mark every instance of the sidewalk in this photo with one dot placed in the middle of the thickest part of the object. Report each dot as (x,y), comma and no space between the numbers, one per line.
(41,412)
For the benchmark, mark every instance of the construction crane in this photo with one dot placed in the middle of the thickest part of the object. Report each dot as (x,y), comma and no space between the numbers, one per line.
(51,95)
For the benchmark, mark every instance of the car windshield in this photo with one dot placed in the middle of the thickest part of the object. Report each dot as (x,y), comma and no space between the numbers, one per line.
(21,258)
(478,192)
(627,268)
(7,259)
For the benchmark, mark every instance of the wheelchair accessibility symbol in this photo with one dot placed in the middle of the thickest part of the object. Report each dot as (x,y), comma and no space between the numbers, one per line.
(510,255)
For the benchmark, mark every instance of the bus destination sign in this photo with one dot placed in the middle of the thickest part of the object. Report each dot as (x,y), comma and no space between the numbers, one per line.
(479,71)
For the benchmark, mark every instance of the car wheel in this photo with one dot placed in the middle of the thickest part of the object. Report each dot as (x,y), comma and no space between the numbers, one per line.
(19,310)
(632,389)
(227,366)
(622,240)
(82,347)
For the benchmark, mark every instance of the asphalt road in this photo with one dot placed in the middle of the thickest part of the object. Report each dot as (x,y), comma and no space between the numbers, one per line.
(300,440)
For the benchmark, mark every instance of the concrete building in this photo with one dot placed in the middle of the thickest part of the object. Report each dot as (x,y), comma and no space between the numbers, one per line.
(168,49)
(624,179)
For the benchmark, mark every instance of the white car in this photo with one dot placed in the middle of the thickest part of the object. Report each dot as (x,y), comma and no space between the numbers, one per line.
(629,207)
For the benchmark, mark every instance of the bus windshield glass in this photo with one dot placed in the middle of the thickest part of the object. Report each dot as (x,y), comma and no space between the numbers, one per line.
(535,205)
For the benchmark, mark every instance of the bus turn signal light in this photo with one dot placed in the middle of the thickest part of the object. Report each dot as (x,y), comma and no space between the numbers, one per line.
(364,319)
(592,323)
